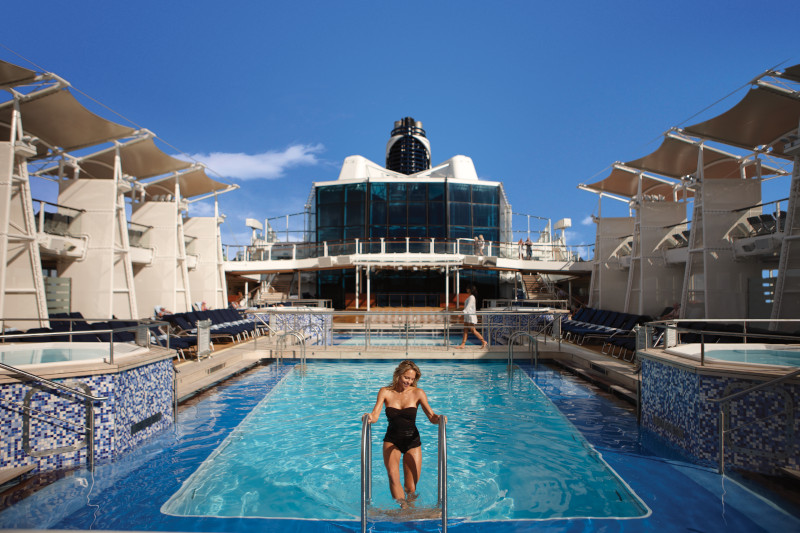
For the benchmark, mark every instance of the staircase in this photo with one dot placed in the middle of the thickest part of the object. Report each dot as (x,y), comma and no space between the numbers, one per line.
(278,289)
(537,288)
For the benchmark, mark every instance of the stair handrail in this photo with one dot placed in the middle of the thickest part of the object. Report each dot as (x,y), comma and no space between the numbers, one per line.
(735,395)
(88,398)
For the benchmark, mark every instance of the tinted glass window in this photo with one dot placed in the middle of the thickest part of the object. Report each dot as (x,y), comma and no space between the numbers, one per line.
(397,214)
(483,194)
(485,215)
(417,192)
(435,192)
(459,192)
(460,214)
(330,194)
(329,215)
(416,214)
(397,192)
(378,191)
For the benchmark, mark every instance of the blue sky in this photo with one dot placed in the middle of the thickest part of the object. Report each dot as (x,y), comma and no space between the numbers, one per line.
(542,96)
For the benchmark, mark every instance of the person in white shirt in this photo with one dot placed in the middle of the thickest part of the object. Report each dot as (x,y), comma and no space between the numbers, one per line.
(471,318)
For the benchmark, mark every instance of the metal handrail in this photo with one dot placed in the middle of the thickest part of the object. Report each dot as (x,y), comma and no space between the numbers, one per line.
(535,355)
(281,345)
(53,384)
(366,469)
(722,431)
(88,398)
(442,481)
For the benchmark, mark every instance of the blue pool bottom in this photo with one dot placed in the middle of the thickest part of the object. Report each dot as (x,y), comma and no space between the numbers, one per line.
(682,496)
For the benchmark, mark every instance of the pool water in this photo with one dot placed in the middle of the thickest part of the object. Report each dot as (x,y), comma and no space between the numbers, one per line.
(53,352)
(129,492)
(512,454)
(789,356)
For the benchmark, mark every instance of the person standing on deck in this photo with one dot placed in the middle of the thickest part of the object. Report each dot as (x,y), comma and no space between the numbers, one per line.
(471,318)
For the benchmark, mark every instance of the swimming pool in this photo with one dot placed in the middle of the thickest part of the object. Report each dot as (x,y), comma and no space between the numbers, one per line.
(62,352)
(513,453)
(785,355)
(129,492)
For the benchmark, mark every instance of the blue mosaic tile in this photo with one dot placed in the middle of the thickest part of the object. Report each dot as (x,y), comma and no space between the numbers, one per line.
(318,328)
(675,406)
(133,396)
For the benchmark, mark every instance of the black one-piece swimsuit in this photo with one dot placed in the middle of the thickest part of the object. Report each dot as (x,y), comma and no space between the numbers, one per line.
(402,430)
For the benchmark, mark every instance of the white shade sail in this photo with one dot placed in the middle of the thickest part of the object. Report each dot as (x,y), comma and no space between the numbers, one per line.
(140,158)
(192,183)
(678,157)
(11,75)
(762,118)
(60,120)
(625,183)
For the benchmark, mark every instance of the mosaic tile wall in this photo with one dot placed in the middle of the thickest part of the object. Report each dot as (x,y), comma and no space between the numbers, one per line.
(139,405)
(316,327)
(497,328)
(674,406)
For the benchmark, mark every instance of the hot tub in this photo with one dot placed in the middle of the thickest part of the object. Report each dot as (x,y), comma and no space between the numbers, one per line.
(20,355)
(772,355)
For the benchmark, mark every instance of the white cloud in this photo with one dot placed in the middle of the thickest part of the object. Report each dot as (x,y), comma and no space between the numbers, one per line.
(588,221)
(201,209)
(268,165)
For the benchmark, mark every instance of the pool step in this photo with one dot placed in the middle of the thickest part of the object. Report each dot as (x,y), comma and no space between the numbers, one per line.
(405,515)
(794,474)
(8,474)
(594,376)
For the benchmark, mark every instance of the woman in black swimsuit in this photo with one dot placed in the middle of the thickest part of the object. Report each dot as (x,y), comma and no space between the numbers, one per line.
(402,436)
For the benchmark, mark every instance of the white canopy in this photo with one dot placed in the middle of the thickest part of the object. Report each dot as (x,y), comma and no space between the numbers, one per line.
(61,121)
(678,157)
(11,75)
(761,119)
(140,158)
(192,183)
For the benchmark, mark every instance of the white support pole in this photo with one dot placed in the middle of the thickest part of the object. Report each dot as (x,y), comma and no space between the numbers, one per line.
(446,288)
(368,294)
(357,276)
(457,272)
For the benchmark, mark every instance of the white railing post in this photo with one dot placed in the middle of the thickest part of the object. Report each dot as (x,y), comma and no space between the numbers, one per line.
(383,245)
(407,244)
(432,247)
(325,248)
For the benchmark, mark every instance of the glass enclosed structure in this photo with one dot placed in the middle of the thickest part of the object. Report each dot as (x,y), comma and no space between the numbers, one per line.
(418,208)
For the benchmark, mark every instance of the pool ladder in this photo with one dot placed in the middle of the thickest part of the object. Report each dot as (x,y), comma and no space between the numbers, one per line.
(366,470)
(534,354)
(281,346)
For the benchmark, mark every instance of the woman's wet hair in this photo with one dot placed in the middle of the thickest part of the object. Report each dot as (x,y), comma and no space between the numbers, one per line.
(401,369)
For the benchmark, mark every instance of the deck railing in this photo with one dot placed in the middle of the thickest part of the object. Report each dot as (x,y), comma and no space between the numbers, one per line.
(406,328)
(280,251)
